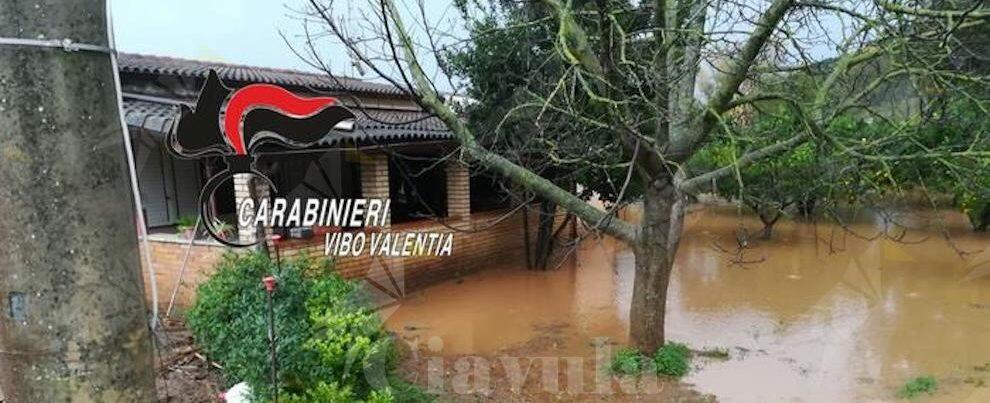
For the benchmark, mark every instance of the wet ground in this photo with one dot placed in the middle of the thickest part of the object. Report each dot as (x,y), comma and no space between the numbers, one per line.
(184,374)
(819,313)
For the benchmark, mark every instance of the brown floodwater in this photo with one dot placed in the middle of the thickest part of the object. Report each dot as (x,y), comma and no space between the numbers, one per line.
(818,313)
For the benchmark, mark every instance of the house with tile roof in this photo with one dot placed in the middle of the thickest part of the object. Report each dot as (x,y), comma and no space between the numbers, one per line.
(391,149)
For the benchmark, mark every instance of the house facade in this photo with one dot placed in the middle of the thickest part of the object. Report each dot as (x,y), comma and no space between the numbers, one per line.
(391,150)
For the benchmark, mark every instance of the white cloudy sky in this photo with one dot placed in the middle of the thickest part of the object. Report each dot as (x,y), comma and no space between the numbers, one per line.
(247,31)
(232,31)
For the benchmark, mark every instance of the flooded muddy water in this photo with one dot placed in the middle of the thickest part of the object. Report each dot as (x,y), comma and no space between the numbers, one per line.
(817,313)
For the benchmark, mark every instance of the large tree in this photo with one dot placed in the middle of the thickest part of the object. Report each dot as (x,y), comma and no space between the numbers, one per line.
(622,94)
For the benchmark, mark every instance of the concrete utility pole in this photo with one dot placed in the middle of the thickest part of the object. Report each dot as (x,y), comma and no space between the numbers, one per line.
(72,311)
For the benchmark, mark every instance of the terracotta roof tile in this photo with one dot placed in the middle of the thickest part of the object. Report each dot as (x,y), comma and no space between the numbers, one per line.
(161,65)
(371,125)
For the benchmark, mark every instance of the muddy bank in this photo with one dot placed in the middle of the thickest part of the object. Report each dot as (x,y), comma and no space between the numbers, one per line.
(818,313)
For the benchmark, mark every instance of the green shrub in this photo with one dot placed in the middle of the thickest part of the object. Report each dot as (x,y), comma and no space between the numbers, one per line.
(329,341)
(626,362)
(324,393)
(405,392)
(229,321)
(916,386)
(353,346)
(381,396)
(673,359)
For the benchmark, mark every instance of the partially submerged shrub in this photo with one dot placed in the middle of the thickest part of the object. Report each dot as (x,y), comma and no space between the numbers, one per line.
(329,341)
(917,386)
(719,353)
(672,359)
(626,362)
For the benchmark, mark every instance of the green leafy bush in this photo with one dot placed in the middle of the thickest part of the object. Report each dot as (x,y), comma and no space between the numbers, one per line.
(329,341)
(352,344)
(323,392)
(916,386)
(229,321)
(673,359)
(626,362)
(381,396)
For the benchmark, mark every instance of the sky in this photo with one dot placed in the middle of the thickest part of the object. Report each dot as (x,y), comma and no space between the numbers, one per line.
(230,31)
(247,31)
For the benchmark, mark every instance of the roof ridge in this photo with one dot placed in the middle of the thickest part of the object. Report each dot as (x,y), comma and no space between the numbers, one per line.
(157,64)
(240,65)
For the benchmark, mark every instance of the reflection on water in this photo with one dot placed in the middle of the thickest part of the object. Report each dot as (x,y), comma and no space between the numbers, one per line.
(816,314)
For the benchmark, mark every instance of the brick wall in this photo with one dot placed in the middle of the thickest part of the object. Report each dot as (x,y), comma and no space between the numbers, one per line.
(167,255)
(481,243)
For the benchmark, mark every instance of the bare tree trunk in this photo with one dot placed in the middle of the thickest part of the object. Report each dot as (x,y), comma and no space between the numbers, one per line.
(806,207)
(73,321)
(663,211)
(769,220)
(548,211)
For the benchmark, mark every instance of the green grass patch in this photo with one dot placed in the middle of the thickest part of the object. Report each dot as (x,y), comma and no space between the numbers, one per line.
(975,381)
(917,386)
(719,353)
(673,359)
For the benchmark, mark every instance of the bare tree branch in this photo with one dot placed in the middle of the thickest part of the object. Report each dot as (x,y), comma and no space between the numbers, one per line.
(535,183)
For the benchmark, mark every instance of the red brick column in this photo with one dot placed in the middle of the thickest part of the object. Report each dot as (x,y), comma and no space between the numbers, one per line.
(458,190)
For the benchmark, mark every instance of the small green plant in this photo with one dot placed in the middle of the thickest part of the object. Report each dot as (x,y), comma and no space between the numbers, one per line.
(223,228)
(917,386)
(975,381)
(185,223)
(720,353)
(673,359)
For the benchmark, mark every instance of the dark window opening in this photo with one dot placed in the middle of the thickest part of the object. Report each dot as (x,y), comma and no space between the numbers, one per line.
(319,175)
(222,202)
(417,189)
(488,193)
